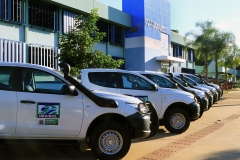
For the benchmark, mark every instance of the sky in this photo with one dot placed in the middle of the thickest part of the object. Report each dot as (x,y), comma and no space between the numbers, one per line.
(225,14)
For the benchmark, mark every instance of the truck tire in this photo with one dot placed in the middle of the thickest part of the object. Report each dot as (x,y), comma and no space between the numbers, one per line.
(176,120)
(221,90)
(110,141)
(154,120)
(201,110)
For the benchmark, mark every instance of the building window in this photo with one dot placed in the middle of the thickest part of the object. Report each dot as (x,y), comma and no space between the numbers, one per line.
(175,51)
(12,10)
(68,20)
(116,35)
(42,15)
(12,51)
(103,27)
(119,36)
(191,56)
(180,55)
(43,55)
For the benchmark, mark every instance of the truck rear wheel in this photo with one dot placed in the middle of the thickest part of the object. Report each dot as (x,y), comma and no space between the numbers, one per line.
(176,120)
(110,141)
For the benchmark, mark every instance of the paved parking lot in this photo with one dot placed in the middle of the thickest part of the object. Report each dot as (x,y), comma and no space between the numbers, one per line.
(215,137)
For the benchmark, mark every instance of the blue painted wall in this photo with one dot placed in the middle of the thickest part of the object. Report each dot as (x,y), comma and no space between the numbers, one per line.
(151,17)
(136,9)
(157,11)
(136,58)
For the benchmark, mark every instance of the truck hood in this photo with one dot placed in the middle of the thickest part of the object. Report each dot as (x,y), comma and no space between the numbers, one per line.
(175,92)
(199,92)
(215,85)
(203,89)
(117,97)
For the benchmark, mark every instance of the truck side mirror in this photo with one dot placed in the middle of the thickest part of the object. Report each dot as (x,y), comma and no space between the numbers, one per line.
(175,85)
(154,87)
(69,89)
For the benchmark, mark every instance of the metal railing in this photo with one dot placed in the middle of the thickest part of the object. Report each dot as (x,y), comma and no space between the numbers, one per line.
(12,51)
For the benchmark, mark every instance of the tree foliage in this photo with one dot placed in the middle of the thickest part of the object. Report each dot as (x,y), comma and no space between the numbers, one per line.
(212,44)
(77,45)
(202,40)
(222,42)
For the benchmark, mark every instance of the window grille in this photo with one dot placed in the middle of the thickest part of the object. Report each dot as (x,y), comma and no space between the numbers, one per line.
(68,20)
(43,55)
(42,15)
(116,35)
(12,51)
(175,69)
(12,10)
(191,56)
(103,27)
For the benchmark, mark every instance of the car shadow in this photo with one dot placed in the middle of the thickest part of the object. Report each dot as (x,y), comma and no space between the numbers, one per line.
(162,133)
(226,105)
(44,152)
(227,154)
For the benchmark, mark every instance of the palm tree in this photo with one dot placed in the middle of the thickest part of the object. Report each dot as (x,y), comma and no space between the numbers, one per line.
(230,59)
(235,59)
(221,41)
(202,40)
(226,62)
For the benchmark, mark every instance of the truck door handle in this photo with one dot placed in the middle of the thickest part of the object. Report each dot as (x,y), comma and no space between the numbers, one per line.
(128,95)
(26,101)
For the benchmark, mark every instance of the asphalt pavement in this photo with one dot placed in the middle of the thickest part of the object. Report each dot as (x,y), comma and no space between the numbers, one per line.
(215,136)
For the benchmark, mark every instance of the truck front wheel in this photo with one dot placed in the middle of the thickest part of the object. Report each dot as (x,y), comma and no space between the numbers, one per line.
(176,120)
(110,141)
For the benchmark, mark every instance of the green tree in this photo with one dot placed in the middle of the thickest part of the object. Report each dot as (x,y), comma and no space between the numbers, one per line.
(202,40)
(221,43)
(235,59)
(77,45)
(226,62)
(230,59)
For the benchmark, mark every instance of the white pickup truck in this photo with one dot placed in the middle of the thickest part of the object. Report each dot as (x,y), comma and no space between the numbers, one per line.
(175,108)
(38,103)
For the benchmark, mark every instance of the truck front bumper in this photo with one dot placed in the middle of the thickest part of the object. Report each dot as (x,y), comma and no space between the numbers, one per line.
(140,125)
(195,110)
(205,103)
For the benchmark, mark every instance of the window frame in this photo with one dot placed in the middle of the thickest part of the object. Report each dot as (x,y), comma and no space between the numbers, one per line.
(106,79)
(13,11)
(43,15)
(46,72)
(168,81)
(143,89)
(16,78)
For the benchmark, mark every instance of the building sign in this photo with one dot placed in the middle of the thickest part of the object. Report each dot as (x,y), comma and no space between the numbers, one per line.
(155,25)
(164,64)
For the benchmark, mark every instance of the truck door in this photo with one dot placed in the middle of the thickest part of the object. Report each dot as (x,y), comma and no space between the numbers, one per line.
(44,110)
(8,100)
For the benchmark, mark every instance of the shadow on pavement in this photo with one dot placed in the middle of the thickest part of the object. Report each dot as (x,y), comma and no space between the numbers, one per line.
(223,155)
(43,152)
(160,134)
(226,105)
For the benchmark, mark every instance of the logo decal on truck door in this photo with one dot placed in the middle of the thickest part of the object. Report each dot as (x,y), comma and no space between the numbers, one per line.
(48,110)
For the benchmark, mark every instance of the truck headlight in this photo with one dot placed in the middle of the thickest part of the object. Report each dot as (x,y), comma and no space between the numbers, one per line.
(140,107)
